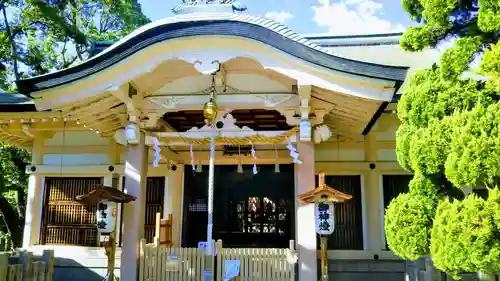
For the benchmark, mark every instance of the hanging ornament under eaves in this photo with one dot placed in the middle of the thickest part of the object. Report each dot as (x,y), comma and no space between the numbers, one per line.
(240,166)
(210,108)
(193,166)
(157,149)
(293,153)
(321,133)
(254,155)
(276,165)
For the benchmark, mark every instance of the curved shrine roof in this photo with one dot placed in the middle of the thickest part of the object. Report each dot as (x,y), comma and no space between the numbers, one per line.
(255,28)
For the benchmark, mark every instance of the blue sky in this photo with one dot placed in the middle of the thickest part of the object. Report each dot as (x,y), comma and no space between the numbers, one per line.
(338,17)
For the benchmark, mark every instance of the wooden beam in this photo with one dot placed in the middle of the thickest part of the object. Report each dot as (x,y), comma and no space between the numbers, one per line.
(359,167)
(29,115)
(122,94)
(47,126)
(101,105)
(113,111)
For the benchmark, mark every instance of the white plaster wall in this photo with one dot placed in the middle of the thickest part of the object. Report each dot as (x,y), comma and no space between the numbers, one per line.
(76,159)
(324,155)
(389,135)
(387,155)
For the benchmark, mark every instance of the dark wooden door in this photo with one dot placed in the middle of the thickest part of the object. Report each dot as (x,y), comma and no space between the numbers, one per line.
(194,225)
(393,186)
(249,210)
(155,196)
(348,234)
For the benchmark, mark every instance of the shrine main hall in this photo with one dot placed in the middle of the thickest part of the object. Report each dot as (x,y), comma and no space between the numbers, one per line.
(289,106)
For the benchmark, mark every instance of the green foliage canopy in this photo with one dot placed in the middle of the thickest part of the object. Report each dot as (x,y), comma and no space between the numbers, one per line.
(449,124)
(450,132)
(53,35)
(39,37)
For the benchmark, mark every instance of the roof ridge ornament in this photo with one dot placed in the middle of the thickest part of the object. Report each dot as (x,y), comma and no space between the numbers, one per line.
(209,6)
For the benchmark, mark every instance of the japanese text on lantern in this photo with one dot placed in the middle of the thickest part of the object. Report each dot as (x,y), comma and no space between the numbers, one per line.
(325,219)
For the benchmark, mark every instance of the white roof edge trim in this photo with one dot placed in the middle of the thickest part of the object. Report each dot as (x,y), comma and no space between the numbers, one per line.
(264,22)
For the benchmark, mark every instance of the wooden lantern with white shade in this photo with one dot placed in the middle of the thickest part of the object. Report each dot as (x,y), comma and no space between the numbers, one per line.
(324,198)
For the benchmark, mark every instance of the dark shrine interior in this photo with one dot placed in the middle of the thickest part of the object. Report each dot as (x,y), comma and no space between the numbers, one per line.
(256,119)
(250,210)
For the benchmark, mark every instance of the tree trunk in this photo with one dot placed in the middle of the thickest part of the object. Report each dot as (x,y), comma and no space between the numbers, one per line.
(12,221)
(21,204)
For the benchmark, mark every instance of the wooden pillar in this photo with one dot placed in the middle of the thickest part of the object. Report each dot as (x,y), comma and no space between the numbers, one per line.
(372,227)
(115,181)
(133,216)
(173,199)
(34,197)
(305,231)
(167,198)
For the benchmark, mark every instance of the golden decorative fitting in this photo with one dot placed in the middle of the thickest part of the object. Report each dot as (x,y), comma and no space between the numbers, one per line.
(210,110)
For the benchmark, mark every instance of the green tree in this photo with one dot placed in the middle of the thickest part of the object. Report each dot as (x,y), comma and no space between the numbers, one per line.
(450,135)
(13,187)
(46,36)
(40,36)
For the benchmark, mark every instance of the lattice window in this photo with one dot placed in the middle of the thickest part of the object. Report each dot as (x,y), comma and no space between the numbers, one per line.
(348,234)
(261,215)
(155,190)
(198,205)
(154,204)
(65,221)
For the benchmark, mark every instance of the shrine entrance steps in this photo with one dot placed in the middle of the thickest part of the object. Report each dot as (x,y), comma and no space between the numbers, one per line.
(158,263)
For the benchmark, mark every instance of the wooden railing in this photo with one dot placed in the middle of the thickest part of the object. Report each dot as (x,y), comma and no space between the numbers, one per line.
(159,263)
(258,264)
(163,230)
(23,266)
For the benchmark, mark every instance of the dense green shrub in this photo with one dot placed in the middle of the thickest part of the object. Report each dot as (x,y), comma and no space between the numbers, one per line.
(464,237)
(408,221)
(475,147)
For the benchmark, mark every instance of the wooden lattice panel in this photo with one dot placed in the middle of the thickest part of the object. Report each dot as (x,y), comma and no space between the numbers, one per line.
(66,221)
(154,204)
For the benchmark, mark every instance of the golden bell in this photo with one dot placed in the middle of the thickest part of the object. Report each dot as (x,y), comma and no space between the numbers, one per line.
(210,110)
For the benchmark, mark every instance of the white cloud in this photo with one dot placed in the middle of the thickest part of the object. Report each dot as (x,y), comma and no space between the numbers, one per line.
(280,17)
(353,17)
